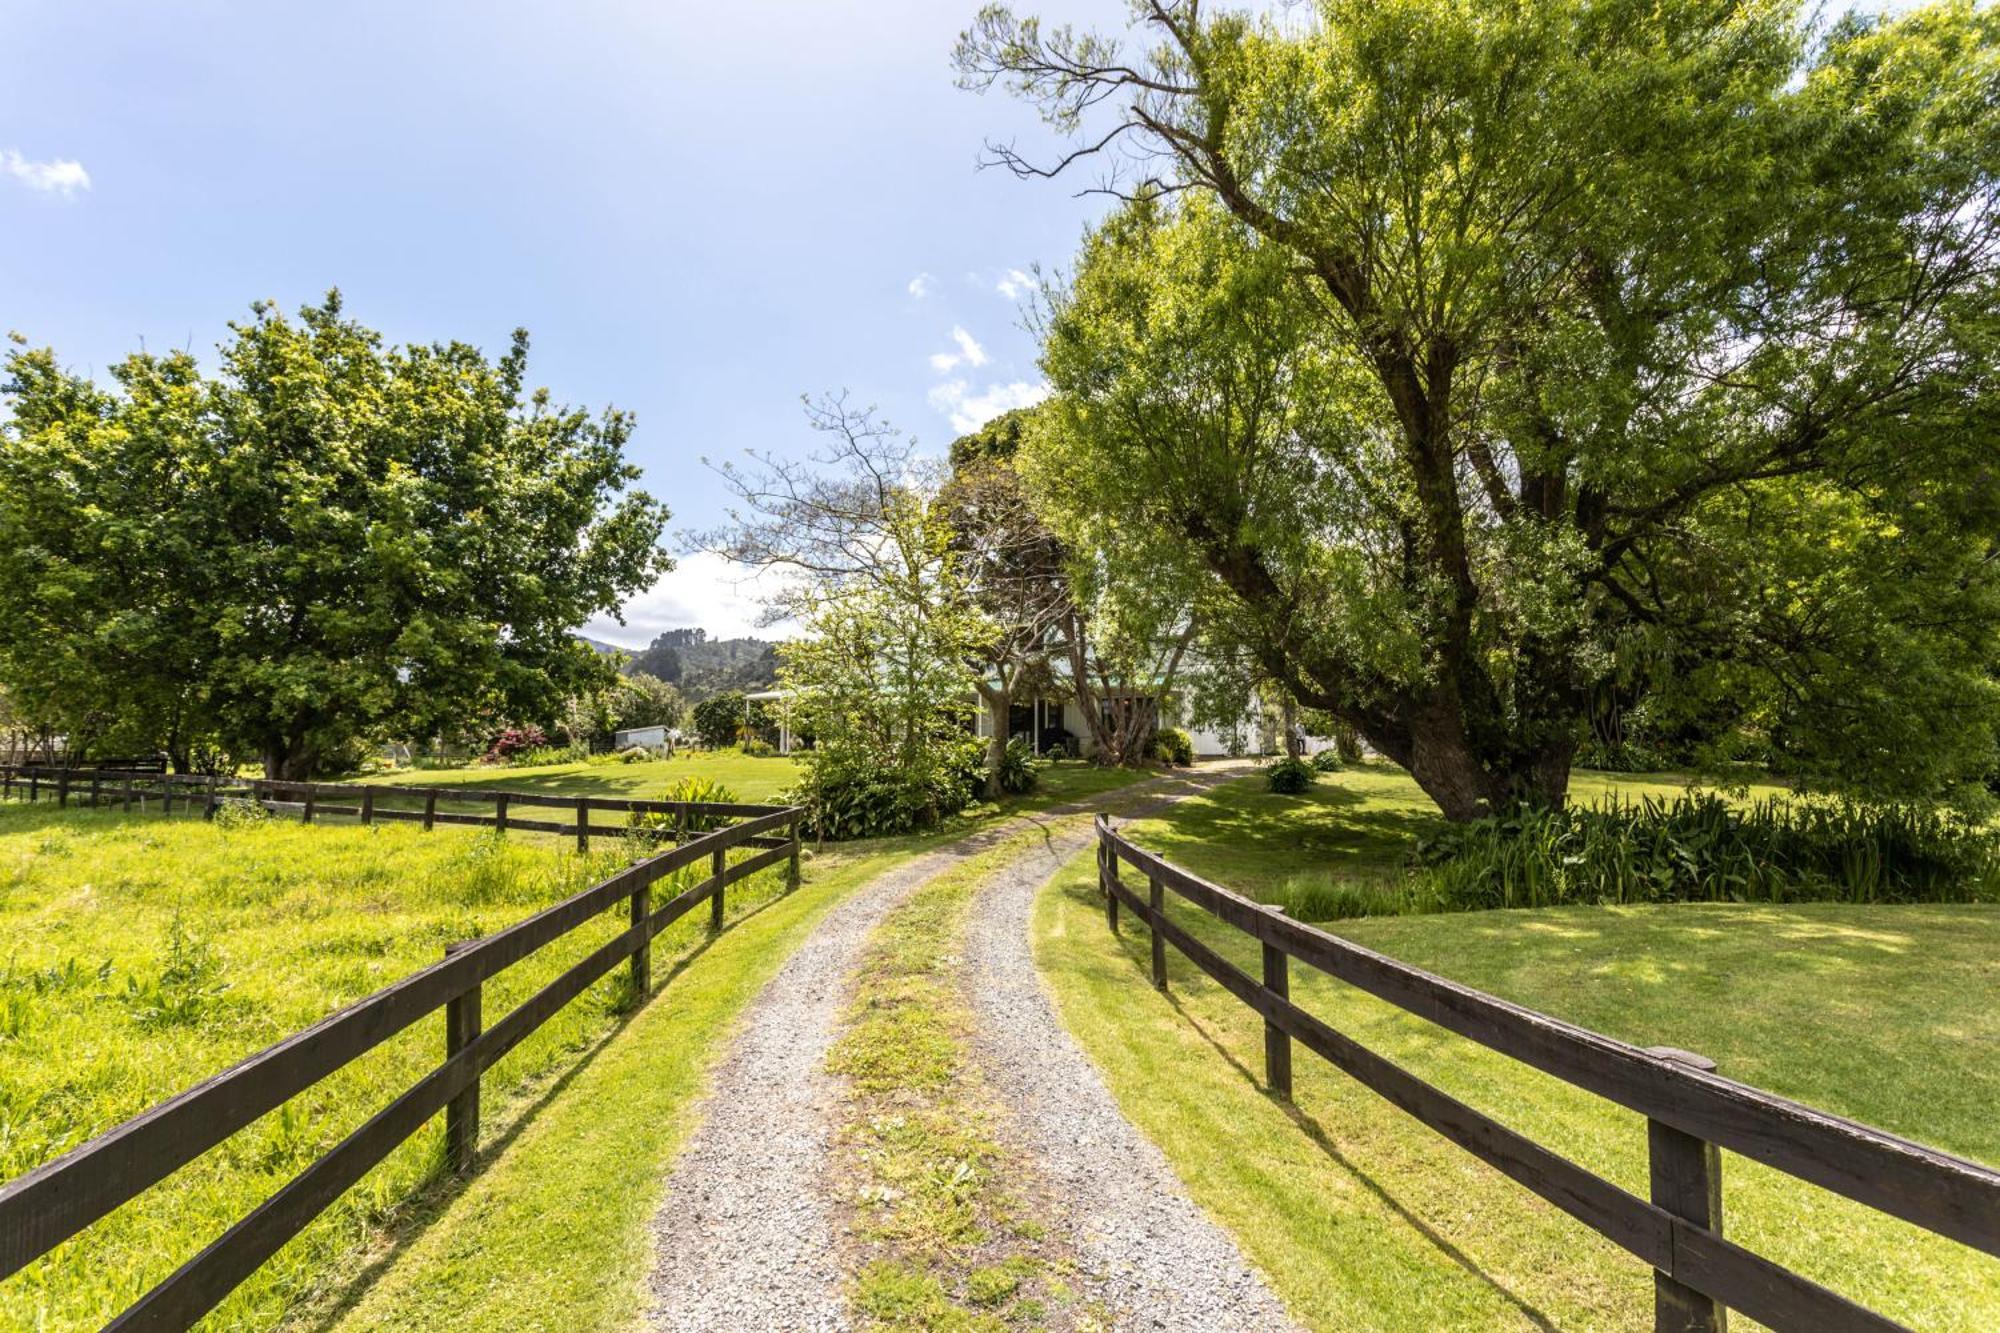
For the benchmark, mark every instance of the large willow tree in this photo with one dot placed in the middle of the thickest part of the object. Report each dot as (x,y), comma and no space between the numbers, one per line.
(1495,359)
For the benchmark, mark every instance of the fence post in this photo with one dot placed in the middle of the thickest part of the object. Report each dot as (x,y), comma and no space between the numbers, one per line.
(583,825)
(367,806)
(430,808)
(309,803)
(1687,1182)
(1157,900)
(1277,1042)
(461,1113)
(214,795)
(96,788)
(62,790)
(716,862)
(642,957)
(1110,887)
(792,874)
(500,813)
(34,787)
(128,795)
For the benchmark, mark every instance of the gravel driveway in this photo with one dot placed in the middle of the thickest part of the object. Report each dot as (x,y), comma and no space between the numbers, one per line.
(745,1239)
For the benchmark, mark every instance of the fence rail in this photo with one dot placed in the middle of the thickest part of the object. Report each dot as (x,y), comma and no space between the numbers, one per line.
(140,790)
(1691,1111)
(48,1205)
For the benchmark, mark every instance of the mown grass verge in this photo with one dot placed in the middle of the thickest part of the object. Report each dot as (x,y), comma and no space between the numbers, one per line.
(144,954)
(1363,1219)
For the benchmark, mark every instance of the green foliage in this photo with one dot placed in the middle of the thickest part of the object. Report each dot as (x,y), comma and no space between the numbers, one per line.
(1171,745)
(1020,770)
(1290,777)
(758,748)
(1326,761)
(1703,849)
(1460,437)
(639,700)
(651,829)
(718,719)
(325,541)
(847,795)
(187,987)
(700,666)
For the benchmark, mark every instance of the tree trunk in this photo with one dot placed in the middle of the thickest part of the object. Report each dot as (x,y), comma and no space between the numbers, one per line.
(999,708)
(1442,759)
(288,760)
(1288,718)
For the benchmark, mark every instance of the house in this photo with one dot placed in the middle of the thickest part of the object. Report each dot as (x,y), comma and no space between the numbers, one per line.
(645,738)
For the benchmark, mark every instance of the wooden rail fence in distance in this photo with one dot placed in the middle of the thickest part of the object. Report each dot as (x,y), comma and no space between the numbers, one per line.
(1691,1112)
(43,1208)
(364,801)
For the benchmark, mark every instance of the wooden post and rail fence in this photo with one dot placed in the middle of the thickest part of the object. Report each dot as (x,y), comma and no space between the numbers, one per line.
(193,793)
(56,1200)
(1692,1113)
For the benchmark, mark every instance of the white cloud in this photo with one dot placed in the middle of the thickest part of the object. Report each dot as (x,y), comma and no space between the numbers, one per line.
(969,353)
(1014,284)
(970,411)
(701,591)
(922,285)
(61,176)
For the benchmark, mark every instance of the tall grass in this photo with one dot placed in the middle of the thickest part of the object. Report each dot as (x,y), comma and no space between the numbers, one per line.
(142,954)
(1701,848)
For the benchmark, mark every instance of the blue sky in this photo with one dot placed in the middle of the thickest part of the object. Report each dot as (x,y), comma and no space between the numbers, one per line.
(700,212)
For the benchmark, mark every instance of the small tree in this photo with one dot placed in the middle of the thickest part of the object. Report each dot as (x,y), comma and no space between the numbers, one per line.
(718,719)
(640,700)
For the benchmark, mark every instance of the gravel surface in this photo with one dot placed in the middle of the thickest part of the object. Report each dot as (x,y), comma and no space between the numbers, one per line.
(1150,1256)
(745,1239)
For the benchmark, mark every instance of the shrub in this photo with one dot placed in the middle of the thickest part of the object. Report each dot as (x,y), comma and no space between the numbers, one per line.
(1702,849)
(1289,777)
(649,830)
(235,812)
(1020,771)
(1171,745)
(513,741)
(1326,761)
(634,754)
(860,800)
(542,756)
(759,749)
(718,718)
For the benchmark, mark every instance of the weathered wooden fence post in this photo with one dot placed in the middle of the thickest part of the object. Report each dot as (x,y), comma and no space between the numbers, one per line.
(792,873)
(642,957)
(214,795)
(1157,901)
(1687,1182)
(461,1113)
(128,794)
(500,813)
(96,788)
(1111,884)
(716,863)
(582,824)
(34,787)
(367,806)
(430,809)
(1277,1042)
(62,790)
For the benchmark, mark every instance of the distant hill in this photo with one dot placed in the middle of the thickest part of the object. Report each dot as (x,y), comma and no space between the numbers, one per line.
(702,666)
(600,646)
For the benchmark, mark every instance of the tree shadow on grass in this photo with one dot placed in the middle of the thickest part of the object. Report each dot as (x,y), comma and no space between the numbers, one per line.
(1317,1134)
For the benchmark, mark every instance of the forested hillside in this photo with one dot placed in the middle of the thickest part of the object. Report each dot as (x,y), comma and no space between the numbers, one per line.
(702,666)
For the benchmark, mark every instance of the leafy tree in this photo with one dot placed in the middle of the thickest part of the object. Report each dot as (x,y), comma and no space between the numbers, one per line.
(325,541)
(640,700)
(1485,359)
(718,718)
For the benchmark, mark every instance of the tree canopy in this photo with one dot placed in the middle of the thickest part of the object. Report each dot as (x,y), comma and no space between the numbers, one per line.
(323,541)
(1485,362)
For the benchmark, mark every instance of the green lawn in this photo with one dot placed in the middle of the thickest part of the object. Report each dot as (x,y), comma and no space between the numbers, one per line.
(1365,1219)
(1344,845)
(144,954)
(752,779)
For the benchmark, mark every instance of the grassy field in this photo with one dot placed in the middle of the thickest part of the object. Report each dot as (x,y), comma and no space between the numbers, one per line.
(750,778)
(1364,1219)
(143,954)
(1339,848)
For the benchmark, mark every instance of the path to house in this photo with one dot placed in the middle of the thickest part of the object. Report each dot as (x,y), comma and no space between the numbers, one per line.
(747,1237)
